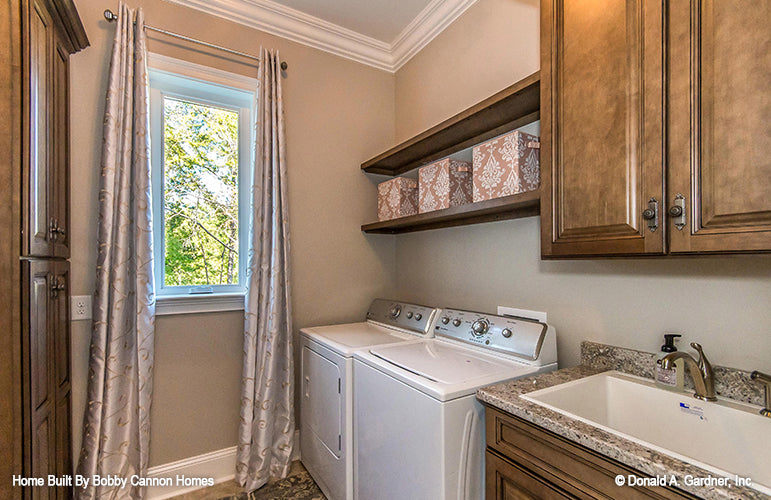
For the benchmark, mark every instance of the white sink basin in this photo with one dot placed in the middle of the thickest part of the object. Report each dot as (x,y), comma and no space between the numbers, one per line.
(724,437)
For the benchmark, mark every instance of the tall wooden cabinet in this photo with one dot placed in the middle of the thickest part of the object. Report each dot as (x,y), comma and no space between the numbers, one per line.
(34,218)
(655,130)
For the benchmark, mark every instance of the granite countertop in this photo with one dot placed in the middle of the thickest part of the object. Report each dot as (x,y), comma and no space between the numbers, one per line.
(505,396)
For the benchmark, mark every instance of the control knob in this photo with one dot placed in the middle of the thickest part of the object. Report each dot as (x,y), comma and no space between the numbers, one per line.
(396,311)
(418,317)
(480,327)
(409,314)
(445,320)
(456,322)
(506,332)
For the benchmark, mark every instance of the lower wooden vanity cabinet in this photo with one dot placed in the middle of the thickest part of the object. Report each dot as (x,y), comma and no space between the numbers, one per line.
(524,461)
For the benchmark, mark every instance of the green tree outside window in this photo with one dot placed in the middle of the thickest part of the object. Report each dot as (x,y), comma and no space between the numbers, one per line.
(200,194)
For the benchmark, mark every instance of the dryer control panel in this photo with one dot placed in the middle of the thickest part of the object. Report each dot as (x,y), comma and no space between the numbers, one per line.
(520,337)
(413,318)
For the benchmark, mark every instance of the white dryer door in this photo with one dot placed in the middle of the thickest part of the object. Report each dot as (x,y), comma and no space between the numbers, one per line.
(323,400)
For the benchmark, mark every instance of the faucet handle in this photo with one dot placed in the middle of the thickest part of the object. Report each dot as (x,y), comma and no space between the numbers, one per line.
(765,380)
(702,358)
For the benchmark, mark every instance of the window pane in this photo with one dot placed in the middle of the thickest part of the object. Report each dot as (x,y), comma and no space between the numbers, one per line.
(200,194)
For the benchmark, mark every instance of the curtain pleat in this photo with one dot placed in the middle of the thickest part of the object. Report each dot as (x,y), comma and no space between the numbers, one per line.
(116,429)
(266,430)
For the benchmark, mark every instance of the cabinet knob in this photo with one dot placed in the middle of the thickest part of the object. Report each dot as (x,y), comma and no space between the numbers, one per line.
(54,229)
(57,285)
(677,211)
(651,214)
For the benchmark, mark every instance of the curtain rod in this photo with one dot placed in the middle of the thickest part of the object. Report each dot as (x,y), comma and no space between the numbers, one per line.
(111,16)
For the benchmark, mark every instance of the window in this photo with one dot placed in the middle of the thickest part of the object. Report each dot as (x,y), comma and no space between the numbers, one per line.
(201,154)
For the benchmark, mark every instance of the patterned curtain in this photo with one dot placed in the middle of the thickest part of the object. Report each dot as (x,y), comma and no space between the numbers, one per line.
(116,429)
(267,395)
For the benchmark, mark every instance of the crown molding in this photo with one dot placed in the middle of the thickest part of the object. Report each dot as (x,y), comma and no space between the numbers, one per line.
(431,21)
(283,21)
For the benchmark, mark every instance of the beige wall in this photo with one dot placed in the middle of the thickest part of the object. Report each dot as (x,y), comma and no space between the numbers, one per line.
(722,302)
(494,44)
(338,114)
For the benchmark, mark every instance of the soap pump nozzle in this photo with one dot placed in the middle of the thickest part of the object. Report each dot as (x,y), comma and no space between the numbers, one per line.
(669,342)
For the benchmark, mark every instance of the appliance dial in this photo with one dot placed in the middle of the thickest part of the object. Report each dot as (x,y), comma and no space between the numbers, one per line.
(409,314)
(480,327)
(456,322)
(506,332)
(445,320)
(418,317)
(396,311)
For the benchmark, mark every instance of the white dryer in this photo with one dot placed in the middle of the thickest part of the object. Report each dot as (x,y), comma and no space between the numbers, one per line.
(418,427)
(326,433)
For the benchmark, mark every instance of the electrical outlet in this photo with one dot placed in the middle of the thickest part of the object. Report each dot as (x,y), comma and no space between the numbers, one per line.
(522,313)
(80,307)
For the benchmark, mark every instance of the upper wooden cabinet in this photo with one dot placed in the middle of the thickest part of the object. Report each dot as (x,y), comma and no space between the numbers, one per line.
(646,106)
(719,124)
(50,39)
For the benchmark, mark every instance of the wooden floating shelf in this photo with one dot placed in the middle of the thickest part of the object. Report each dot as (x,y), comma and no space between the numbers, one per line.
(508,207)
(507,110)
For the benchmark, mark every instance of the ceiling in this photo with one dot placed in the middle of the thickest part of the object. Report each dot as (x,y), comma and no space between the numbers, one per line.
(380,33)
(378,19)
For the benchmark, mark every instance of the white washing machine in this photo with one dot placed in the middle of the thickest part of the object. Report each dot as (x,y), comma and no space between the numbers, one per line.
(418,427)
(326,434)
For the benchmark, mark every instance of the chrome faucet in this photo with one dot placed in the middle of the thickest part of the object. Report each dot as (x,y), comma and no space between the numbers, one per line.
(701,372)
(765,379)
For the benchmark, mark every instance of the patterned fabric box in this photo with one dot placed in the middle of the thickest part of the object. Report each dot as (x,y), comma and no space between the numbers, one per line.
(397,198)
(506,165)
(446,183)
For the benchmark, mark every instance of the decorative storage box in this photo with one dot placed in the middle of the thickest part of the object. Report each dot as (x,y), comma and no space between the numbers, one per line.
(397,198)
(446,183)
(506,165)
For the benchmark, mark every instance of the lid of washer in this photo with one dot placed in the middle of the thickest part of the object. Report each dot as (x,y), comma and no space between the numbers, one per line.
(357,335)
(444,363)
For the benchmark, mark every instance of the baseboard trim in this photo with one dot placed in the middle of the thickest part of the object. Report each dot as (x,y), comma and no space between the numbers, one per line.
(219,465)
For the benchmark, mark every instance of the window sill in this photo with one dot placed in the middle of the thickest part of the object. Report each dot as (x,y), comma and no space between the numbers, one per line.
(193,304)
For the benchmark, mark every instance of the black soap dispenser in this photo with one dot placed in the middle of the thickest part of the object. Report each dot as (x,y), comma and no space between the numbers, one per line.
(671,379)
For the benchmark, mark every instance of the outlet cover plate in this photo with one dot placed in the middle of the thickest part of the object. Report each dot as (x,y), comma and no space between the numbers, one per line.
(522,313)
(80,307)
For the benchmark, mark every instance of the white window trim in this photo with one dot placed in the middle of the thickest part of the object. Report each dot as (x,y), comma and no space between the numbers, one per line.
(191,304)
(170,76)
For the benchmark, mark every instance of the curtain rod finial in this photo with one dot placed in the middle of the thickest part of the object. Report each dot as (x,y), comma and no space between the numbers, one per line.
(110,15)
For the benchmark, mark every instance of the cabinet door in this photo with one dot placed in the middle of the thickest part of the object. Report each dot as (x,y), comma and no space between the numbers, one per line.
(40,428)
(720,132)
(61,383)
(37,205)
(60,144)
(602,108)
(505,480)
